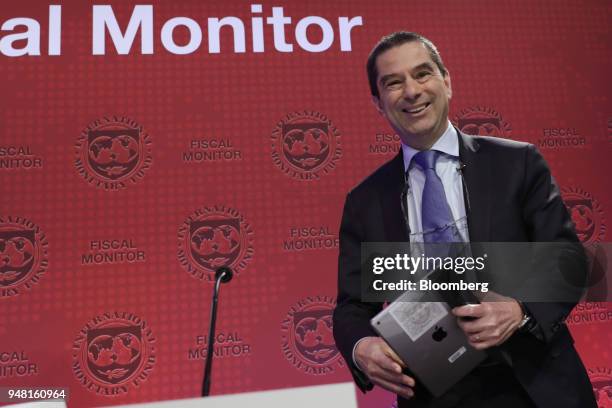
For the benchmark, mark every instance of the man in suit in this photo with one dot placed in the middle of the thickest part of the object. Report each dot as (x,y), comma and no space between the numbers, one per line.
(506,191)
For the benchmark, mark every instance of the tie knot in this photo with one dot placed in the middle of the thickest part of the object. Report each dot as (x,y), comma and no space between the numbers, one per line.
(426,159)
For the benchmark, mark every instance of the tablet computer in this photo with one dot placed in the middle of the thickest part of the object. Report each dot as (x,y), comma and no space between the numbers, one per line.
(425,335)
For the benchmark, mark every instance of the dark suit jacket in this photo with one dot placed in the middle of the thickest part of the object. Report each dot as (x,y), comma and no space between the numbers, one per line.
(513,198)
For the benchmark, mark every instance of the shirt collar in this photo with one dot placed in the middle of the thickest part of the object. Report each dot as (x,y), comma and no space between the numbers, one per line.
(448,144)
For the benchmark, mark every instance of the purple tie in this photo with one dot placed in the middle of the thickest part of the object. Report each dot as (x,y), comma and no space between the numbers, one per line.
(436,216)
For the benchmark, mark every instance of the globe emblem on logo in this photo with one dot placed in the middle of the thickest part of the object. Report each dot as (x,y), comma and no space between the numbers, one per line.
(482,121)
(586,214)
(113,153)
(23,255)
(601,379)
(588,219)
(314,338)
(215,242)
(17,255)
(581,210)
(114,354)
(307,339)
(306,145)
(212,237)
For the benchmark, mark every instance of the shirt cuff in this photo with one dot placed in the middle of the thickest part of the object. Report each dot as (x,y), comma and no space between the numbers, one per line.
(353,354)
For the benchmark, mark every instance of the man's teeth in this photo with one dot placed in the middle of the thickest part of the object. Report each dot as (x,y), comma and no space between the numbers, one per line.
(416,110)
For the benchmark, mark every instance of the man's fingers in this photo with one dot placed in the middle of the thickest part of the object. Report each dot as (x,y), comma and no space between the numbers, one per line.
(481,345)
(393,356)
(390,366)
(485,339)
(402,390)
(473,311)
(469,327)
(401,379)
(383,366)
(391,371)
(493,324)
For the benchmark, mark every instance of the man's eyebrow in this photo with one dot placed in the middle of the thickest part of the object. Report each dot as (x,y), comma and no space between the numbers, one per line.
(425,65)
(385,78)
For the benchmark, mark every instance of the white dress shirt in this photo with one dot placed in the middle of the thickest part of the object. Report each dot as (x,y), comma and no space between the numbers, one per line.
(448,169)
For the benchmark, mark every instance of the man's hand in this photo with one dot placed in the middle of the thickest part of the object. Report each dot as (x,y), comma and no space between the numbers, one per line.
(489,323)
(384,368)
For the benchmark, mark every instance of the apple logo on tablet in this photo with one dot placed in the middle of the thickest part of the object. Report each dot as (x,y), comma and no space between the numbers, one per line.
(439,334)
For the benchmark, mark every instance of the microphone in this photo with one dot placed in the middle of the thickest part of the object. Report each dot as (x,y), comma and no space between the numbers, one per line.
(403,198)
(225,273)
(466,193)
(222,275)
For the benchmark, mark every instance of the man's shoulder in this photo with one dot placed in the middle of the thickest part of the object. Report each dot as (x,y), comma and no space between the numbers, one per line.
(392,171)
(380,177)
(495,143)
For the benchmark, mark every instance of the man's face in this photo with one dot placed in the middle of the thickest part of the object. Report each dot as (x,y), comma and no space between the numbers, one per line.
(413,94)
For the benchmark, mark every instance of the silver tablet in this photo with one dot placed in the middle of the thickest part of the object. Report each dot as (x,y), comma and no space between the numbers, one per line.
(427,338)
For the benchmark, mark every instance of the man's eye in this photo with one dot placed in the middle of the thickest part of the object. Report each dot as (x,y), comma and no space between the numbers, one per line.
(393,84)
(423,75)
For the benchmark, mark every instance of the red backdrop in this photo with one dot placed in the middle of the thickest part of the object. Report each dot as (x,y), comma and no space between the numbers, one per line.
(127,178)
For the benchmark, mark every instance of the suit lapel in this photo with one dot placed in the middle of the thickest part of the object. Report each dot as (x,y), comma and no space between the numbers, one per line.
(390,196)
(477,189)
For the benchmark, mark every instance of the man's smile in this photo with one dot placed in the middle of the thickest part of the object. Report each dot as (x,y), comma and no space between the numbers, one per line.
(416,109)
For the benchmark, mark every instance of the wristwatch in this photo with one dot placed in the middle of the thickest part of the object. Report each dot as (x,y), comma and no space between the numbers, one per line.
(526,322)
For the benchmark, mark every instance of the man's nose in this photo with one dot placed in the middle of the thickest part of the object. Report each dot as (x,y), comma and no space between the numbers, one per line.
(412,89)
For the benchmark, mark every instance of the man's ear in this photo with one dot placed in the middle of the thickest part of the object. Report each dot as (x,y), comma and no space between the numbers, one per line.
(376,102)
(447,82)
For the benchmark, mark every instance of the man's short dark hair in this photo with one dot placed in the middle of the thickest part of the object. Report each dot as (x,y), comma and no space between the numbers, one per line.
(395,40)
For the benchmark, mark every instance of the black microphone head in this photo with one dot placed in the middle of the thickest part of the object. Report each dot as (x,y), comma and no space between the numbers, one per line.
(226,274)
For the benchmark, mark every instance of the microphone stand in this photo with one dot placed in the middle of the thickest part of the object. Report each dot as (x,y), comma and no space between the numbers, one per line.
(223,275)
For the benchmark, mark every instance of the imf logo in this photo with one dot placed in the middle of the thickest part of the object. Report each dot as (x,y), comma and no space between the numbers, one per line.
(305,145)
(113,152)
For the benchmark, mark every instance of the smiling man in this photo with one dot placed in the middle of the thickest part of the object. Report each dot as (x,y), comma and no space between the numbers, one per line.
(449,179)
(412,92)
